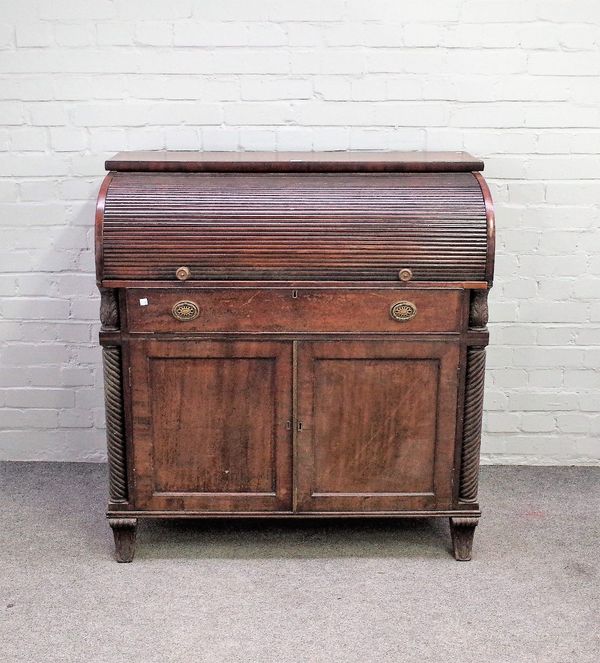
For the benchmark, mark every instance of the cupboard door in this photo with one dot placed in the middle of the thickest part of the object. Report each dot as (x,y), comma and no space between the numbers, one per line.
(376,425)
(211,425)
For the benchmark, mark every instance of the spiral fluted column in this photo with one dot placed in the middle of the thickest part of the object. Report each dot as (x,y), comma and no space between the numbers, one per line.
(115,431)
(469,472)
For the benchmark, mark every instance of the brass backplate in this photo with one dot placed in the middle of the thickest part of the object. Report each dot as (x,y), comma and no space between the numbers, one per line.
(185,311)
(403,311)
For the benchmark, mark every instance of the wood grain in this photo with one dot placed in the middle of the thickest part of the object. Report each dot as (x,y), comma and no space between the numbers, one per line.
(377,425)
(491,227)
(222,440)
(293,162)
(294,392)
(294,227)
(263,310)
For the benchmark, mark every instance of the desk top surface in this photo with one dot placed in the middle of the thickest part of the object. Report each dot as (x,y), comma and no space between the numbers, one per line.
(294,162)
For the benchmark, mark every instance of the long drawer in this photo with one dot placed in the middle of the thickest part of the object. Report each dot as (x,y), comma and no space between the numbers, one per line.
(282,310)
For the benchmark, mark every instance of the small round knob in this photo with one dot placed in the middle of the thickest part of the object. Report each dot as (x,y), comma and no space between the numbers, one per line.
(405,274)
(183,273)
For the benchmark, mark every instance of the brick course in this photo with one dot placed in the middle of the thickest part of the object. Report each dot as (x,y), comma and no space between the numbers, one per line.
(514,82)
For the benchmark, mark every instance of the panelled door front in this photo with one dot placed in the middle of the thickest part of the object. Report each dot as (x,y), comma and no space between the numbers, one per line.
(376,425)
(211,425)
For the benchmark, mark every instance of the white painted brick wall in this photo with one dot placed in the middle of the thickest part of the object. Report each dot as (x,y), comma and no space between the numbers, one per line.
(515,82)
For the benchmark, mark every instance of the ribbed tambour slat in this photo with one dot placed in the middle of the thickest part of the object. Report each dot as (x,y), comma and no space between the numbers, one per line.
(295,226)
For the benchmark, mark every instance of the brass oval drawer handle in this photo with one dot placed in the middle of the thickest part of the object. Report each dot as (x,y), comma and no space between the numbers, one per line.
(185,310)
(403,311)
(183,273)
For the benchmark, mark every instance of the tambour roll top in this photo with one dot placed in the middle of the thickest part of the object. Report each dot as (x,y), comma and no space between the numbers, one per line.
(333,216)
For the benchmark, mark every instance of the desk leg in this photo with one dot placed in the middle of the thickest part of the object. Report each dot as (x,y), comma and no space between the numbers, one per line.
(463,530)
(124,530)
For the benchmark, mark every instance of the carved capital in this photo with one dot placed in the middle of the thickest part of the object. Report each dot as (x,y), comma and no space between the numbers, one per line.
(109,309)
(478,311)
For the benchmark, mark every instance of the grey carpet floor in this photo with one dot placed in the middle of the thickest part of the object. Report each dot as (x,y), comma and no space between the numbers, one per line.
(303,591)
